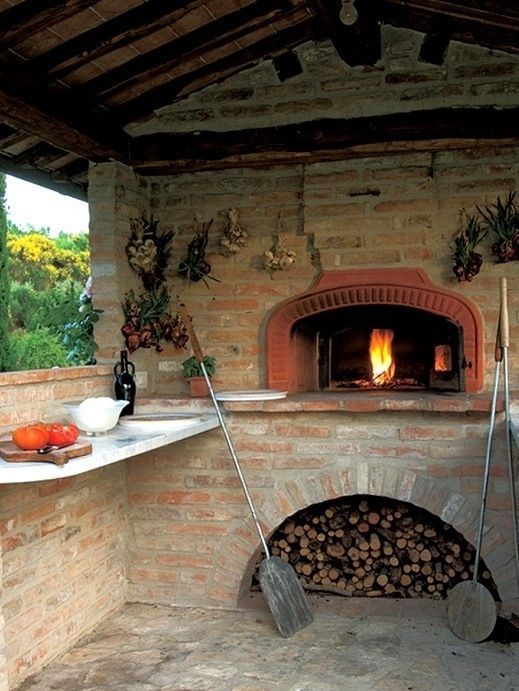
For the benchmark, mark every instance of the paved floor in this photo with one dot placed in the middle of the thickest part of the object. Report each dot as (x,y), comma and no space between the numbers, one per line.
(144,648)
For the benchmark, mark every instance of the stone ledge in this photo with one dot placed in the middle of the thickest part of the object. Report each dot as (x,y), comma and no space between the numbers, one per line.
(369,402)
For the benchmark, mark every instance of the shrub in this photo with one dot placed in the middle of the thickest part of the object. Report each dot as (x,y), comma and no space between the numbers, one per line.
(37,350)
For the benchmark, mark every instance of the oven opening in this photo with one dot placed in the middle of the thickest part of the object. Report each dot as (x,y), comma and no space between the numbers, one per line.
(376,347)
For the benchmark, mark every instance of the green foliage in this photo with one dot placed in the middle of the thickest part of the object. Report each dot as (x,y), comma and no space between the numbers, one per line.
(49,317)
(79,334)
(37,349)
(31,309)
(192,367)
(5,350)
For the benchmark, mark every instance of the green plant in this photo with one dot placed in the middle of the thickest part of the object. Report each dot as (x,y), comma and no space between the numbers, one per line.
(192,367)
(79,333)
(467,260)
(37,350)
(502,219)
(5,282)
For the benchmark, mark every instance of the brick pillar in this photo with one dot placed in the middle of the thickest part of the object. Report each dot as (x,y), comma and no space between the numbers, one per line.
(116,194)
(4,682)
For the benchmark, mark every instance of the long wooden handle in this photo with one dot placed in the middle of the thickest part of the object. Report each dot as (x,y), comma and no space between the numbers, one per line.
(192,336)
(504,326)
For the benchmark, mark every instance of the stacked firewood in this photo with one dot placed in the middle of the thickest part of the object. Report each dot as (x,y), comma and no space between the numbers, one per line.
(375,547)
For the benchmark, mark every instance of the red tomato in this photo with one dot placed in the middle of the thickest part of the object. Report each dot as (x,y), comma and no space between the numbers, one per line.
(62,435)
(31,437)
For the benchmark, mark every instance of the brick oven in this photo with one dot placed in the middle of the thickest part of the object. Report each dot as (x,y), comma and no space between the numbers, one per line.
(320,340)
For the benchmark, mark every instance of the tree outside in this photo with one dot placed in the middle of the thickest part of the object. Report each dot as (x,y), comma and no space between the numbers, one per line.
(5,351)
(46,311)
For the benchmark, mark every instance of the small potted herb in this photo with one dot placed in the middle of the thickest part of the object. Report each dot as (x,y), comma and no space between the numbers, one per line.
(195,377)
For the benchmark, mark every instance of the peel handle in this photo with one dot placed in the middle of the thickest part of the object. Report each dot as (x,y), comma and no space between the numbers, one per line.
(504,325)
(192,336)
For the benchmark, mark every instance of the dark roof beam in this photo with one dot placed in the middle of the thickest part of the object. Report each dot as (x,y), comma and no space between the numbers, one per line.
(40,177)
(53,116)
(327,135)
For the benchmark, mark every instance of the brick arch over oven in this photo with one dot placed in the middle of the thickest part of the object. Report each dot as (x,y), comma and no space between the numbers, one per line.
(400,287)
(236,558)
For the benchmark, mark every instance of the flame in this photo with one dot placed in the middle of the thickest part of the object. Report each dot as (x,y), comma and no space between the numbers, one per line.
(381,356)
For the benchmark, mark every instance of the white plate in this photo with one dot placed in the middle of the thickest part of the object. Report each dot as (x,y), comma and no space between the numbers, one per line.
(257,395)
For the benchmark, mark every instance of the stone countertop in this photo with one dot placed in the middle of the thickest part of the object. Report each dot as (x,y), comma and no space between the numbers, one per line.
(117,445)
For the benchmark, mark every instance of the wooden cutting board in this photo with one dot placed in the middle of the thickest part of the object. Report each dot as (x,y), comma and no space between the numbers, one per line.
(11,453)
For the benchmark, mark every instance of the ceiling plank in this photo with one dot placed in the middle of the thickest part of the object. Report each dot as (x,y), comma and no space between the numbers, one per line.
(326,135)
(359,43)
(220,32)
(143,106)
(111,35)
(26,19)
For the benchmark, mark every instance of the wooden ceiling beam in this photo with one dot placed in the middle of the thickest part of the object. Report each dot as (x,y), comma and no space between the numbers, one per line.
(358,43)
(111,35)
(220,32)
(52,116)
(326,135)
(24,20)
(215,72)
(44,179)
(468,21)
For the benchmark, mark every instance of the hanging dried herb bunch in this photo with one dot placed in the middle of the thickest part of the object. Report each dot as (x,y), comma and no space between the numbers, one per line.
(467,260)
(502,220)
(195,267)
(279,257)
(148,251)
(234,237)
(148,321)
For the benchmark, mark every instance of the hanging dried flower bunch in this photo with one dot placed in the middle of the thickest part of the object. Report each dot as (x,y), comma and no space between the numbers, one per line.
(195,267)
(279,257)
(467,260)
(502,219)
(148,321)
(234,237)
(148,251)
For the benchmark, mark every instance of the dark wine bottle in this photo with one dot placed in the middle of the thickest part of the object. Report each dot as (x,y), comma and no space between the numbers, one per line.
(125,388)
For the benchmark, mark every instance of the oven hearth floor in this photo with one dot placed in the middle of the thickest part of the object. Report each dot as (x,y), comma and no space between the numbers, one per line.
(144,648)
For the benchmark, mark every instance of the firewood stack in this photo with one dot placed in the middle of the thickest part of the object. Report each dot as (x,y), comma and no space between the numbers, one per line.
(375,547)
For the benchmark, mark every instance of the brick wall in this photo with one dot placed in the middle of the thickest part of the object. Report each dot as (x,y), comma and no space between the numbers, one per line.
(62,542)
(193,541)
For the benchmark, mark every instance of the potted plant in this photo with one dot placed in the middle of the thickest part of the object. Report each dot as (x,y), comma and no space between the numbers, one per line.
(195,378)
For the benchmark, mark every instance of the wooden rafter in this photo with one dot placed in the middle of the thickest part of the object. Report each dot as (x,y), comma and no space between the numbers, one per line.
(142,106)
(360,43)
(111,35)
(489,24)
(327,135)
(44,178)
(220,32)
(54,117)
